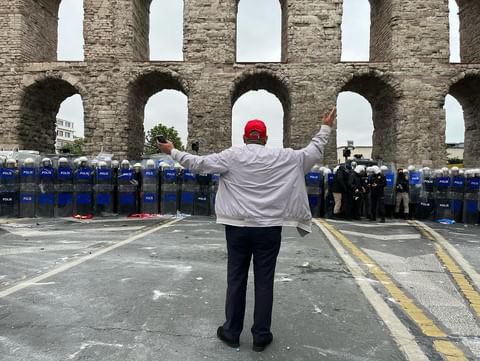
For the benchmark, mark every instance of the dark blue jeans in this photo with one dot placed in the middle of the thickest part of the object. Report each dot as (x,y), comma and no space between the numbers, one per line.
(243,243)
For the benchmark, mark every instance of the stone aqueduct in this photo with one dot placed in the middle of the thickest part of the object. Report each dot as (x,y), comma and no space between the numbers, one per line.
(405,81)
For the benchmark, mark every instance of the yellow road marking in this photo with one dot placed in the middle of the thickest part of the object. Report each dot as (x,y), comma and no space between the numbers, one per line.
(427,326)
(463,284)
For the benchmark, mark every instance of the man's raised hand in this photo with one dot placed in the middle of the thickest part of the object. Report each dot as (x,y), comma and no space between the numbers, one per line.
(329,118)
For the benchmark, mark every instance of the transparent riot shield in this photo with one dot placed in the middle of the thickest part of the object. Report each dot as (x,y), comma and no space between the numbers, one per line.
(201,201)
(169,191)
(455,195)
(313,181)
(9,187)
(28,191)
(443,208)
(389,192)
(149,202)
(187,191)
(127,190)
(328,195)
(83,187)
(64,191)
(471,202)
(46,192)
(427,199)
(415,190)
(103,192)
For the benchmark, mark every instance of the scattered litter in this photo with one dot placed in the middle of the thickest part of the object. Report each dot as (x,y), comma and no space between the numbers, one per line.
(145,215)
(84,216)
(306,264)
(445,221)
(288,348)
(199,278)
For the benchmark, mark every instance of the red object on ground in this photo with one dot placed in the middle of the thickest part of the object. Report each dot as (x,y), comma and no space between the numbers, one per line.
(143,215)
(85,216)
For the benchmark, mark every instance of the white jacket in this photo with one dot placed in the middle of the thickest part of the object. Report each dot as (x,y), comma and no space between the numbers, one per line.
(261,186)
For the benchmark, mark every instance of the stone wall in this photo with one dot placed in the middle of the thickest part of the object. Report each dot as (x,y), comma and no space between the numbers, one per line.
(406,80)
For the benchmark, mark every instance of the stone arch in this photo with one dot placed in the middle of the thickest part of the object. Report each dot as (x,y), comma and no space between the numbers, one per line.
(382,92)
(469,13)
(41,98)
(466,89)
(141,88)
(284,29)
(271,82)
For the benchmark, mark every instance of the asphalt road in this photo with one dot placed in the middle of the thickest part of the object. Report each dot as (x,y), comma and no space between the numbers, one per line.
(119,289)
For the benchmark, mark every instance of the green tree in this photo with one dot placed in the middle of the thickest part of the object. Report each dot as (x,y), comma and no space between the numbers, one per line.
(170,133)
(75,148)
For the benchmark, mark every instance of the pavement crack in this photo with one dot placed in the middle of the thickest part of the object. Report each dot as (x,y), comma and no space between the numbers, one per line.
(152,331)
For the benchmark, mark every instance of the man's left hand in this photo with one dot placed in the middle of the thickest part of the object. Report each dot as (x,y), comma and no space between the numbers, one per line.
(165,147)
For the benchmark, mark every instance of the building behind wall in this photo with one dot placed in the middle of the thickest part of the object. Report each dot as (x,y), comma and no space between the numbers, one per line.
(65,134)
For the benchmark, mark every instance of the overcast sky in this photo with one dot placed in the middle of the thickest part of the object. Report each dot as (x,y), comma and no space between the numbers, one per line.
(259,24)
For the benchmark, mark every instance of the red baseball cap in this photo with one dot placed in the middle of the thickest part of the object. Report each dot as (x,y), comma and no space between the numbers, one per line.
(257,126)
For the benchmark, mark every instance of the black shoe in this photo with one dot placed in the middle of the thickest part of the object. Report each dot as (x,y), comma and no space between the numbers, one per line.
(225,339)
(260,346)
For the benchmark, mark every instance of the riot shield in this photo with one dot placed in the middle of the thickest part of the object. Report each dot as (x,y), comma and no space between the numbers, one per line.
(415,189)
(46,192)
(427,202)
(64,190)
(313,181)
(28,191)
(471,202)
(9,187)
(455,195)
(127,191)
(103,192)
(187,191)
(169,191)
(149,195)
(389,192)
(443,208)
(201,201)
(83,187)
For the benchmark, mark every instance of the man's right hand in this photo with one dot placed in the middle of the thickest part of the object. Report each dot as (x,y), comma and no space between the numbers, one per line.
(329,118)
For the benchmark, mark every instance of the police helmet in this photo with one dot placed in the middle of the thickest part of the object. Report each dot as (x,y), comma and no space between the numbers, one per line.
(10,163)
(29,162)
(359,169)
(125,164)
(150,164)
(63,162)
(46,162)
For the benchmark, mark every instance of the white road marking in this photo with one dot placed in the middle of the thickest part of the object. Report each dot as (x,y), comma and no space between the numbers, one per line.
(28,232)
(390,237)
(456,255)
(402,336)
(79,261)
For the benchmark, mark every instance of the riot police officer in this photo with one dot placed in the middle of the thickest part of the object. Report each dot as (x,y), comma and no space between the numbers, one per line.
(64,189)
(9,187)
(377,185)
(46,189)
(28,188)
